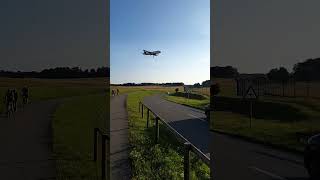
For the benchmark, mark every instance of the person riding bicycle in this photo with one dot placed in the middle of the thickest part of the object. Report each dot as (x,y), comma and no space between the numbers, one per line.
(25,95)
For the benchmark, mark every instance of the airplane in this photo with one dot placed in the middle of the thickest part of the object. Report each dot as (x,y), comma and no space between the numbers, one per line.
(151,53)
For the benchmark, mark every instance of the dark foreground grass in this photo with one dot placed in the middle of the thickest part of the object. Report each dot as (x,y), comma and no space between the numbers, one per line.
(280,127)
(41,93)
(73,125)
(161,161)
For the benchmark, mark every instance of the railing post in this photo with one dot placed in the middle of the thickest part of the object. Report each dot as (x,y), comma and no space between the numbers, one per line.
(157,130)
(186,161)
(103,157)
(108,158)
(95,139)
(148,114)
(141,110)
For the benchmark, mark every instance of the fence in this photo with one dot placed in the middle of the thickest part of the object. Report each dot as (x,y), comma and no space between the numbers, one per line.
(105,152)
(290,88)
(188,147)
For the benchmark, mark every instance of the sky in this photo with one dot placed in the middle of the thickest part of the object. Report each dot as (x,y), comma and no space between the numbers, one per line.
(37,34)
(180,29)
(257,35)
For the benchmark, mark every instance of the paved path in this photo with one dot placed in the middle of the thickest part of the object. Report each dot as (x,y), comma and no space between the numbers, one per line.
(26,140)
(120,165)
(253,161)
(189,122)
(232,158)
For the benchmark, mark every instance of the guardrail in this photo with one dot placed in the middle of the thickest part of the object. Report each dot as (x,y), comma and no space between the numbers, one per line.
(105,148)
(188,147)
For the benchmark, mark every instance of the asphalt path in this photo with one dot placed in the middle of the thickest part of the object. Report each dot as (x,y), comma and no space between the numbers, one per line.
(231,157)
(120,148)
(26,143)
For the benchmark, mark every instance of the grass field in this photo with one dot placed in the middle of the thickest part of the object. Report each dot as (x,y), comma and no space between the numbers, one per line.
(84,105)
(73,127)
(150,161)
(44,89)
(199,104)
(278,121)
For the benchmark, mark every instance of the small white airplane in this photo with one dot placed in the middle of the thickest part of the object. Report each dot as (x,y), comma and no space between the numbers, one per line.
(151,53)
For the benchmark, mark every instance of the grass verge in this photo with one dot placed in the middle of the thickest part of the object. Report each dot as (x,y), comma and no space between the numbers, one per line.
(156,161)
(73,125)
(199,104)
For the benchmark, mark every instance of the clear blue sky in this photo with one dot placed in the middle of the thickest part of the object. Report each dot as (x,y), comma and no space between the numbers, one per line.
(180,29)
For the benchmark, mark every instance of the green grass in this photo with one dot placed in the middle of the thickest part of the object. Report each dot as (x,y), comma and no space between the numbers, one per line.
(199,104)
(73,125)
(161,161)
(45,89)
(277,124)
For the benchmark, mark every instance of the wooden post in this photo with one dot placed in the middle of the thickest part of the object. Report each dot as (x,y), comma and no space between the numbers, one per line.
(148,116)
(157,130)
(95,139)
(186,160)
(103,157)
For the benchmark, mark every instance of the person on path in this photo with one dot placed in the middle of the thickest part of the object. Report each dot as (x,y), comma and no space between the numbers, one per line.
(15,99)
(8,100)
(25,95)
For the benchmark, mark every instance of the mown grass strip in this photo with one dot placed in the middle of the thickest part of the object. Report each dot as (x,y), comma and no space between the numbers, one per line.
(156,161)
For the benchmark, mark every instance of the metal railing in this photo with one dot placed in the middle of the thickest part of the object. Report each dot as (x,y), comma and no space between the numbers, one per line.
(105,152)
(188,147)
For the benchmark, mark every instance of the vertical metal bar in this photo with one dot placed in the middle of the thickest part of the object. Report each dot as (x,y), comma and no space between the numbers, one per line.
(157,130)
(141,110)
(103,157)
(108,158)
(95,139)
(148,114)
(186,160)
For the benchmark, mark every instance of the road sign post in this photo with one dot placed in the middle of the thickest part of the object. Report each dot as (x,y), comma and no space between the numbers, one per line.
(251,96)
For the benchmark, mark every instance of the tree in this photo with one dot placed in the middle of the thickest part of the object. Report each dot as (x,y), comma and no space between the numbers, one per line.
(280,75)
(197,85)
(177,90)
(215,89)
(206,83)
(308,70)
(223,72)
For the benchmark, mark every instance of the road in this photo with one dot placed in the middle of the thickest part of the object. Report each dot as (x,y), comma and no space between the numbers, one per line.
(231,157)
(26,143)
(119,150)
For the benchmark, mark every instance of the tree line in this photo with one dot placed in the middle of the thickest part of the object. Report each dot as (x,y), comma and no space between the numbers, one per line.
(308,70)
(150,84)
(59,73)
